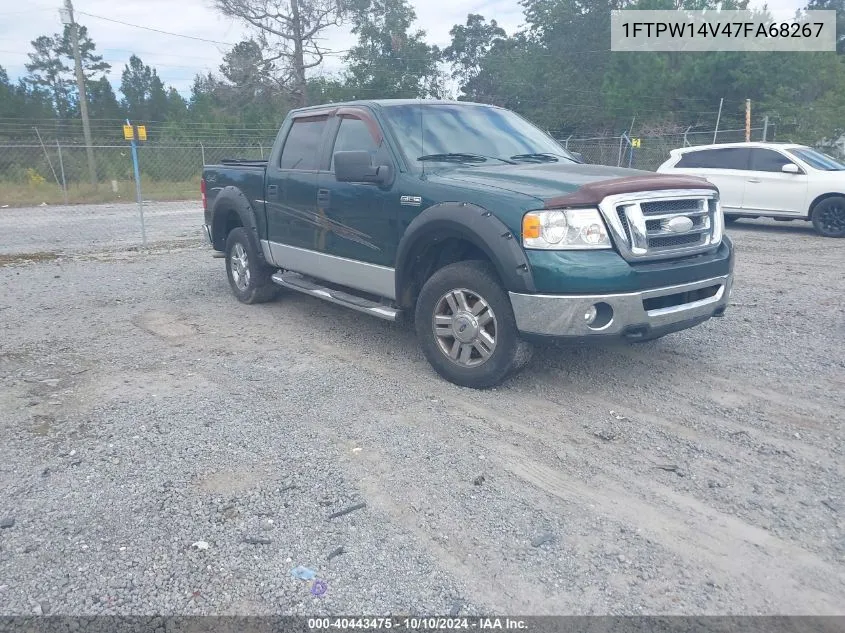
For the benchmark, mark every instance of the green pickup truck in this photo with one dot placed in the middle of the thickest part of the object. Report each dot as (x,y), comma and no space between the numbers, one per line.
(474,224)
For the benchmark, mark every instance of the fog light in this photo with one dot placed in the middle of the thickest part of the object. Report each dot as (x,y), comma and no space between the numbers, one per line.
(590,315)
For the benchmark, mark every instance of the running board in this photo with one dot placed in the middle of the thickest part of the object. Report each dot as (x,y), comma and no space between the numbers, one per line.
(297,282)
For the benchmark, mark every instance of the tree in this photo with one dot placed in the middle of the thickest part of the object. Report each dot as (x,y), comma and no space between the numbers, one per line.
(508,75)
(47,69)
(245,67)
(102,102)
(469,45)
(390,60)
(288,30)
(51,63)
(839,7)
(11,104)
(93,65)
(144,96)
(251,90)
(177,107)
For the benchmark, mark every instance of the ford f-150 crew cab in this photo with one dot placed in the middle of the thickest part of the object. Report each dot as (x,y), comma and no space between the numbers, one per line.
(474,224)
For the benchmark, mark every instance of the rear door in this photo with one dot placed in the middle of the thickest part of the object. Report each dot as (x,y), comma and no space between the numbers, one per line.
(769,190)
(727,168)
(291,189)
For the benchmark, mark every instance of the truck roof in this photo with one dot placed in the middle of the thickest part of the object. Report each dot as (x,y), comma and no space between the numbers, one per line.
(391,102)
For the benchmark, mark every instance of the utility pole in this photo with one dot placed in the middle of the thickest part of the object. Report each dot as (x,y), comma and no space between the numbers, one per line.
(765,127)
(747,120)
(67,18)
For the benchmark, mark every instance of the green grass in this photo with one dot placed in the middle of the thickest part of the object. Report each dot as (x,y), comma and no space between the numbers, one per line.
(31,195)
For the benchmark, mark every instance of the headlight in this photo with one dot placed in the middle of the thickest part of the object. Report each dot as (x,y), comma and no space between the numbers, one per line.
(562,229)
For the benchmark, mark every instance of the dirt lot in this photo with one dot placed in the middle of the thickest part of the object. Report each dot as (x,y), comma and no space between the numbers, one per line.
(146,414)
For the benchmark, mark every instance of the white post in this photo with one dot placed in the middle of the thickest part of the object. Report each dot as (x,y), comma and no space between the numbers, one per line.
(62,169)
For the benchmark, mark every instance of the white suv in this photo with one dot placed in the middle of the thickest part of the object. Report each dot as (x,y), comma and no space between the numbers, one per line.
(777,180)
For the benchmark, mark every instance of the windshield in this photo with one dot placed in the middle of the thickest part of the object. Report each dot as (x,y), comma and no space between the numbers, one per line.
(464,129)
(817,159)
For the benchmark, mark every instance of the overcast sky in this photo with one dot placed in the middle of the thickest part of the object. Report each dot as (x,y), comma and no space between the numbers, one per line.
(178,59)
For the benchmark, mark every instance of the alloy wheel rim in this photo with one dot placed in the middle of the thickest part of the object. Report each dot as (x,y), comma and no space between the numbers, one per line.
(465,327)
(833,218)
(240,267)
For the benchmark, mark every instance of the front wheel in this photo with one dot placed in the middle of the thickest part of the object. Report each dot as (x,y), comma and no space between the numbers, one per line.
(466,327)
(828,217)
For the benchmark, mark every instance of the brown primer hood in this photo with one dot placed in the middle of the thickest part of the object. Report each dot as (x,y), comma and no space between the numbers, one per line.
(594,192)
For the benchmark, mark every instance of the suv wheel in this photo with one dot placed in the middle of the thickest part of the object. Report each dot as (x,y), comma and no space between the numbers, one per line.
(466,326)
(249,277)
(828,217)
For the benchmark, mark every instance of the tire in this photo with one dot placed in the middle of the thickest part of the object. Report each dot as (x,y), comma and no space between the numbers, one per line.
(483,365)
(249,276)
(730,219)
(828,217)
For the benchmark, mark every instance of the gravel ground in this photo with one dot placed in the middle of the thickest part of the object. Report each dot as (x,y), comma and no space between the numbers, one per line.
(92,227)
(169,450)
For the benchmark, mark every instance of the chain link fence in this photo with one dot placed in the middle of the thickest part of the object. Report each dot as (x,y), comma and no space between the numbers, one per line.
(35,174)
(650,151)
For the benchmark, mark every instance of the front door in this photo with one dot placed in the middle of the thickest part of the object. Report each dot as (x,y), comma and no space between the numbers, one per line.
(769,189)
(358,221)
(291,189)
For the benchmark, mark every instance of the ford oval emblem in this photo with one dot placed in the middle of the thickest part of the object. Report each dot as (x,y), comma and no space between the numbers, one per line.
(679,224)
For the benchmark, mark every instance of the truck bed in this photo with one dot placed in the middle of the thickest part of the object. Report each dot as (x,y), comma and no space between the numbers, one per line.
(245,174)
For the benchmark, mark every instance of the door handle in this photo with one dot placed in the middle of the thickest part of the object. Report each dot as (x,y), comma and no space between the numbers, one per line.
(272,191)
(753,180)
(323,196)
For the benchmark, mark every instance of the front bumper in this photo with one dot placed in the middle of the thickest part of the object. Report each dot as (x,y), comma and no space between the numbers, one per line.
(633,315)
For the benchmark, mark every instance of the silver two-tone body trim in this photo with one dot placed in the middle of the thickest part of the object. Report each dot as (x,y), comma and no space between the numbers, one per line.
(363,276)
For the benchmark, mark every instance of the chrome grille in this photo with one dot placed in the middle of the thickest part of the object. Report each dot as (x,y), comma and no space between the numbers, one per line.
(624,221)
(664,224)
(668,206)
(664,242)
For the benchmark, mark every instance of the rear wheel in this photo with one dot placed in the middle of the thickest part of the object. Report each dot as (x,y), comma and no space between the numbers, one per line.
(466,327)
(249,276)
(828,217)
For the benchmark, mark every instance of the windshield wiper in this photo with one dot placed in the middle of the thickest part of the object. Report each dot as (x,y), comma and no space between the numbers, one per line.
(540,157)
(461,157)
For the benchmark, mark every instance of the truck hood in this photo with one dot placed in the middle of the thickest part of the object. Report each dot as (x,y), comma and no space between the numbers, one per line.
(567,183)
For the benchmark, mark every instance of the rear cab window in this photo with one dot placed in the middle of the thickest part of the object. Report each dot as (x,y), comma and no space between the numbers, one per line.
(726,158)
(301,150)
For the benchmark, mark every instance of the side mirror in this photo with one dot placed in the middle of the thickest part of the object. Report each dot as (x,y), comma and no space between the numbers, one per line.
(357,166)
(790,168)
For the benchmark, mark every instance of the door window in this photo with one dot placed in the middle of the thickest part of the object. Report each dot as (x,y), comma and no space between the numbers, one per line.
(768,160)
(727,158)
(302,144)
(353,134)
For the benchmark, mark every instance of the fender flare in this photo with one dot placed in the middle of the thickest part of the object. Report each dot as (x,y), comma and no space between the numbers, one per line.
(477,226)
(231,198)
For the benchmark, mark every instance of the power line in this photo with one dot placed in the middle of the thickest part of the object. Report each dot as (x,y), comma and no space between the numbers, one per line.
(147,28)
